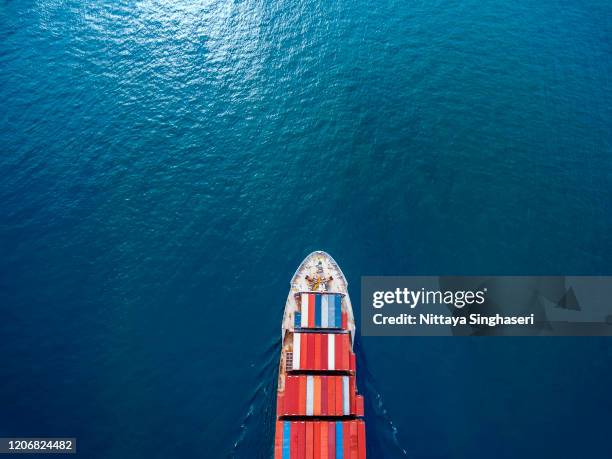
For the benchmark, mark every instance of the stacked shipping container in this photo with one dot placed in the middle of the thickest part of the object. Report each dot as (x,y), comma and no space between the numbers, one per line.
(320,440)
(319,395)
(318,403)
(323,351)
(321,311)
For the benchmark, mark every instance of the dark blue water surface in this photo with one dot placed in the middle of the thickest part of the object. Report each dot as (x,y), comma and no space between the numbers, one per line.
(165,166)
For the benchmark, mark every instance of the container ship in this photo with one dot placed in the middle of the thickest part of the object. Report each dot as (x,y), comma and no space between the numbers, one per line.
(319,414)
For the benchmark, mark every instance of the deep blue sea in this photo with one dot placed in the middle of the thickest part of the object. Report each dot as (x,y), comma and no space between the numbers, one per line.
(166,165)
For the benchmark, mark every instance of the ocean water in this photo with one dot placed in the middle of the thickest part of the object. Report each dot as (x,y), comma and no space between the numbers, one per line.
(165,166)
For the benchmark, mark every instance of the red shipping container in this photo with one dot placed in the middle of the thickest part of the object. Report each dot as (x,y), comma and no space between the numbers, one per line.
(331,440)
(331,402)
(338,395)
(302,394)
(309,440)
(362,439)
(278,441)
(317,361)
(352,393)
(346,348)
(316,405)
(344,320)
(324,441)
(338,352)
(359,409)
(286,397)
(324,395)
(353,364)
(354,441)
(295,391)
(324,352)
(346,439)
(280,405)
(301,441)
(303,350)
(297,382)
(316,434)
(311,351)
(311,311)
(295,440)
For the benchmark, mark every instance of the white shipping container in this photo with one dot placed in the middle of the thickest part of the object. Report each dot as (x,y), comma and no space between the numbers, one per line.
(309,395)
(297,341)
(346,406)
(304,321)
(324,310)
(331,352)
